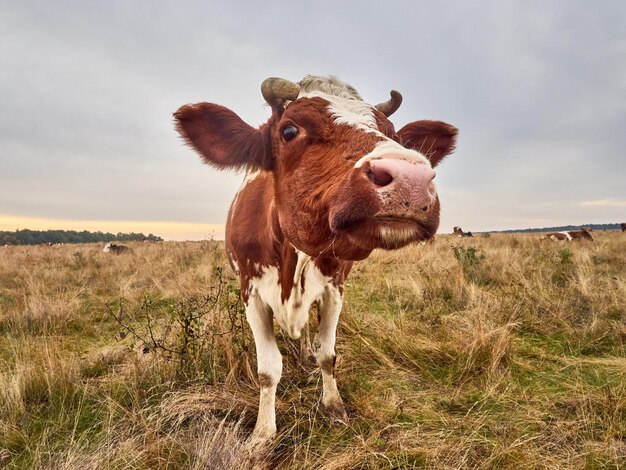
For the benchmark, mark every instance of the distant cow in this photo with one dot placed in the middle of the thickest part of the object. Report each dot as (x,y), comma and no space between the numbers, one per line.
(623,226)
(458,231)
(115,249)
(569,236)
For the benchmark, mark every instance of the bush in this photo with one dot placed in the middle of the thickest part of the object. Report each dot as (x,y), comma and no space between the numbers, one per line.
(190,333)
(565,255)
(470,257)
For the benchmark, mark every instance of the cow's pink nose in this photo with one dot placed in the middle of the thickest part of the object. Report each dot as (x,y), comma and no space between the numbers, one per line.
(405,186)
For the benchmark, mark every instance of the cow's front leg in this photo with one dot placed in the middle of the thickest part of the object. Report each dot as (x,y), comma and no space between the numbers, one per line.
(269,365)
(324,351)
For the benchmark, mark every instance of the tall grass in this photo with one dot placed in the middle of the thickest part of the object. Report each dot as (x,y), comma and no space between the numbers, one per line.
(498,352)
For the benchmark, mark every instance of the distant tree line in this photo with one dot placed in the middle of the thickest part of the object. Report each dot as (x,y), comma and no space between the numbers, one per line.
(36,237)
(563,228)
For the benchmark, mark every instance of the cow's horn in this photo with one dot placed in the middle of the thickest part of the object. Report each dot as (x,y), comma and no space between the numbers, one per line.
(391,106)
(278,90)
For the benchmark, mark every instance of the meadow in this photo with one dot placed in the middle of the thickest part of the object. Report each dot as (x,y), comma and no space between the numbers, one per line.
(498,351)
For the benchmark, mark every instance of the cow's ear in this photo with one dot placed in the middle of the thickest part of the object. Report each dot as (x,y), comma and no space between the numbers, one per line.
(434,139)
(221,137)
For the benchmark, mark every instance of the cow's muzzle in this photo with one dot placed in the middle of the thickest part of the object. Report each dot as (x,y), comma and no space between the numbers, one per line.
(405,186)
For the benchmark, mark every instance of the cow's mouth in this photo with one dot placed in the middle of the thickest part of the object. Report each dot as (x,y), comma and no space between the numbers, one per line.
(395,231)
(417,225)
(406,225)
(387,219)
(355,237)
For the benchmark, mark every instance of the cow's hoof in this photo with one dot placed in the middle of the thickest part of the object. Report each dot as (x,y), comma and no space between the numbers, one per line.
(264,433)
(255,450)
(336,412)
(260,440)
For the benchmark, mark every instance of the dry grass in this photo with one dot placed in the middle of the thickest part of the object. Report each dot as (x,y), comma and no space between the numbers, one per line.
(492,352)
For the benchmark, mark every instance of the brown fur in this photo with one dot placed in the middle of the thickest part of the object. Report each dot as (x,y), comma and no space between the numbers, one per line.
(265,381)
(328,365)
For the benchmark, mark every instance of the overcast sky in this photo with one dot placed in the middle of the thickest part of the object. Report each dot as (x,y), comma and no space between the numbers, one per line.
(537,90)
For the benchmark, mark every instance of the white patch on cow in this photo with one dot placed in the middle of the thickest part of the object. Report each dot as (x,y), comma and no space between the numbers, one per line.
(235,266)
(345,104)
(388,147)
(393,236)
(250,176)
(567,235)
(107,248)
(269,366)
(292,314)
(349,112)
(324,342)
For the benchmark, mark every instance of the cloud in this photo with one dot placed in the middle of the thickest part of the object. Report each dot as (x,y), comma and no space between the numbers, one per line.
(611,202)
(89,89)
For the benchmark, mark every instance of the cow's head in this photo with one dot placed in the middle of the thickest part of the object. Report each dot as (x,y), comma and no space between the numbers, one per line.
(345,181)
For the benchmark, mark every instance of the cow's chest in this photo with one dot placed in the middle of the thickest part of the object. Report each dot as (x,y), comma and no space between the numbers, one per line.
(307,286)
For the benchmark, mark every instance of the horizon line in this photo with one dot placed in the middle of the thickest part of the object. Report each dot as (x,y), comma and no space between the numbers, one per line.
(170,231)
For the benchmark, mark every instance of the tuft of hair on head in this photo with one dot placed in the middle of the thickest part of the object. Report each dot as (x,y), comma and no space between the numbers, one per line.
(330,85)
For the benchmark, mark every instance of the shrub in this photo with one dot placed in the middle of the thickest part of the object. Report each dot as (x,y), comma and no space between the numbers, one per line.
(187,332)
(565,255)
(470,257)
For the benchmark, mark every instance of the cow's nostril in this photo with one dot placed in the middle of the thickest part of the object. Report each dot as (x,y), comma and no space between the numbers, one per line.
(425,208)
(379,176)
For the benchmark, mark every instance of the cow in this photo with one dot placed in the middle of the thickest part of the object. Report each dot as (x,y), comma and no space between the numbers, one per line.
(116,249)
(328,180)
(458,231)
(623,226)
(581,234)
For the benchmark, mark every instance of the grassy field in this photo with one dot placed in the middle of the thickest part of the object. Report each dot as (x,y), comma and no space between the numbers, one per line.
(491,352)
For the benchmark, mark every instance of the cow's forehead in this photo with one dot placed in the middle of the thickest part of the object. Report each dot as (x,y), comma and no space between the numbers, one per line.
(347,111)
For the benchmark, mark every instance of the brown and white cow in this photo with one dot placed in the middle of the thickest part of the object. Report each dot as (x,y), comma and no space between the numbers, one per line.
(581,234)
(328,180)
(458,231)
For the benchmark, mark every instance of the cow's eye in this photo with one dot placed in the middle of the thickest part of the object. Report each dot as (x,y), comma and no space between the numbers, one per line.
(289,132)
